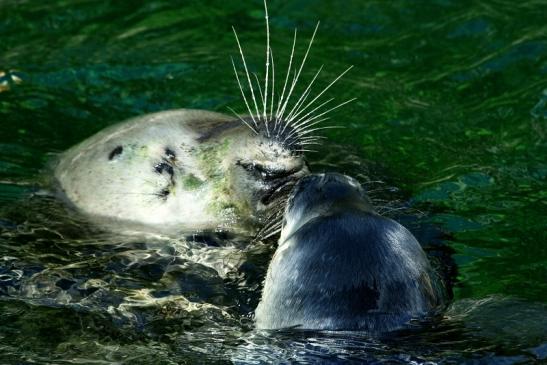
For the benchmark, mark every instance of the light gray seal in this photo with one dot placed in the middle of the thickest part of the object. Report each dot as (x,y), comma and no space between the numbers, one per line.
(341,266)
(180,170)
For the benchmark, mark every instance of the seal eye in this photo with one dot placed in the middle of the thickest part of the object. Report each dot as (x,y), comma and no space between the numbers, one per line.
(263,172)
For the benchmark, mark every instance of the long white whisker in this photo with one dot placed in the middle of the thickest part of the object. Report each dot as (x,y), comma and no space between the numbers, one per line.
(274,225)
(273,85)
(247,72)
(265,101)
(243,93)
(280,101)
(308,131)
(299,130)
(243,120)
(312,111)
(322,92)
(304,96)
(298,74)
(311,124)
(310,139)
(316,143)
(304,122)
(259,88)
(302,99)
(271,234)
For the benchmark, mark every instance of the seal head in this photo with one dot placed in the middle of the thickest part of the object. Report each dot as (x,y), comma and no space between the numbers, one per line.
(341,266)
(179,170)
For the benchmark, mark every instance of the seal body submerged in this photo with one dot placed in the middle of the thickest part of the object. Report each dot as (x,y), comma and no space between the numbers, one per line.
(176,170)
(341,266)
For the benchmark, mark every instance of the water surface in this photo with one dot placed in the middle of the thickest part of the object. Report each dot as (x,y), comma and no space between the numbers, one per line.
(450,115)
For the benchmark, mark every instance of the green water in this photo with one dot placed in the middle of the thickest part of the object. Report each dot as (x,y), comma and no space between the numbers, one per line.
(451,110)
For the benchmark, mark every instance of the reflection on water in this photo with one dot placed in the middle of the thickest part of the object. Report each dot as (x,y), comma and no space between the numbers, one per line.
(447,134)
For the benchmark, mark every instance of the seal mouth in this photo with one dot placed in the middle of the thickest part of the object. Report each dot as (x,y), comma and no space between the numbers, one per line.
(280,187)
(276,182)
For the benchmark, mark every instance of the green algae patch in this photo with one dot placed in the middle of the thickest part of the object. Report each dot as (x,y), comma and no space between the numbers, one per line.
(211,160)
(191,182)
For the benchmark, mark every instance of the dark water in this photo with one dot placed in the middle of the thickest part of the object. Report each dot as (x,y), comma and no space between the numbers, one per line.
(451,110)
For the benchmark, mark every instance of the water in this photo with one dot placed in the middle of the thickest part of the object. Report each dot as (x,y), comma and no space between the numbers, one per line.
(451,115)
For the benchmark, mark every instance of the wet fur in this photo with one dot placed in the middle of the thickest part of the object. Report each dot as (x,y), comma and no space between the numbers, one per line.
(341,266)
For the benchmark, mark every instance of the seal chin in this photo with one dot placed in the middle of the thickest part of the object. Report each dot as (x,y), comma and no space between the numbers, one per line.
(341,266)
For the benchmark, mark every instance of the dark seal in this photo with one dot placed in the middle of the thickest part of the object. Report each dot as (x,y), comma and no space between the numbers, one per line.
(341,266)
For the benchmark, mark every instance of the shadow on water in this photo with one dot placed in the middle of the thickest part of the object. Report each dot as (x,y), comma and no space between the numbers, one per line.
(447,135)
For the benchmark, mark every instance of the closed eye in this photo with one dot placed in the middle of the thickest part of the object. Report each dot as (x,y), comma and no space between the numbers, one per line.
(266,173)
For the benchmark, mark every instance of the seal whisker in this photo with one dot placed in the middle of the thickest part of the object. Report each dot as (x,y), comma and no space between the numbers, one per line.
(312,111)
(299,132)
(306,138)
(280,101)
(270,229)
(278,230)
(304,95)
(383,210)
(273,224)
(259,89)
(273,86)
(310,143)
(308,131)
(243,120)
(299,72)
(309,123)
(246,72)
(301,122)
(286,121)
(370,182)
(324,90)
(265,100)
(243,93)
(377,190)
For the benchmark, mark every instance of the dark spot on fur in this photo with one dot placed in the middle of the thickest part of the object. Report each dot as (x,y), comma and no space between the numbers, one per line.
(115,152)
(170,154)
(163,166)
(164,193)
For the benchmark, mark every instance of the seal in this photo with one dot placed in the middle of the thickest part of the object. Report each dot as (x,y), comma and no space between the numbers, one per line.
(341,266)
(193,170)
(179,169)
